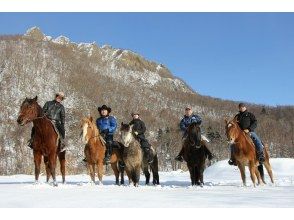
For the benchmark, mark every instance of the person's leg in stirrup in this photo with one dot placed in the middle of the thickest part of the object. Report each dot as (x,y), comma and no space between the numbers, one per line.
(30,142)
(109,141)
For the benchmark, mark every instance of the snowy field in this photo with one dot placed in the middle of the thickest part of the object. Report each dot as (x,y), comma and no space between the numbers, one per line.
(222,189)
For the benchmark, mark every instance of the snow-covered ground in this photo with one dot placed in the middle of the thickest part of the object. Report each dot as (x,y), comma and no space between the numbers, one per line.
(222,189)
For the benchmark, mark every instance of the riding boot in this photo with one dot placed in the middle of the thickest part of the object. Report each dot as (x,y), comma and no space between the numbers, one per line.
(180,156)
(148,155)
(62,145)
(208,153)
(260,157)
(30,143)
(107,154)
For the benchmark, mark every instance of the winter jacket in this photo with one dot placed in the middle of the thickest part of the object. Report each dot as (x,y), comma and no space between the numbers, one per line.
(246,120)
(107,124)
(139,126)
(54,111)
(186,121)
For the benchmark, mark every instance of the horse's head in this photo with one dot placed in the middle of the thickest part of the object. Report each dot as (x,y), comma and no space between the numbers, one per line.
(29,110)
(232,130)
(126,134)
(89,129)
(194,134)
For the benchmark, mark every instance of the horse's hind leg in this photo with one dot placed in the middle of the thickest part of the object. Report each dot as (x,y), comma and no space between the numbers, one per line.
(154,169)
(37,161)
(122,171)
(258,175)
(116,172)
(261,173)
(146,173)
(268,168)
(61,157)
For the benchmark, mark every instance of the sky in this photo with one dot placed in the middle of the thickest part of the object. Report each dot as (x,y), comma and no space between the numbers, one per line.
(236,56)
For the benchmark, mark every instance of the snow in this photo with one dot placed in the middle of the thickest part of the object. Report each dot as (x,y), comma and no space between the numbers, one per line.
(222,189)
(61,40)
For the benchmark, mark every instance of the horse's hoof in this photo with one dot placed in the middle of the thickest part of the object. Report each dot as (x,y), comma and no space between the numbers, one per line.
(55,184)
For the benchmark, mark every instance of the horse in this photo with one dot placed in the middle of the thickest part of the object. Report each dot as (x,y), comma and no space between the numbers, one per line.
(45,141)
(194,153)
(134,157)
(95,152)
(244,153)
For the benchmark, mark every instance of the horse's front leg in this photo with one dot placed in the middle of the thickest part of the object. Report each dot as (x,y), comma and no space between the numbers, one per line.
(52,165)
(37,161)
(242,171)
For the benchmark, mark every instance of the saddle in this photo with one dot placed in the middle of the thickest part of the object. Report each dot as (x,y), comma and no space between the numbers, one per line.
(115,144)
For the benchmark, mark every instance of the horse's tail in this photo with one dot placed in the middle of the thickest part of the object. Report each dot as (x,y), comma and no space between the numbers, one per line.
(266,151)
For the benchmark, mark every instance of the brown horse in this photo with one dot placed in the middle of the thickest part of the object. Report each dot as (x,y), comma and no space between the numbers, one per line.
(45,141)
(95,151)
(194,154)
(244,153)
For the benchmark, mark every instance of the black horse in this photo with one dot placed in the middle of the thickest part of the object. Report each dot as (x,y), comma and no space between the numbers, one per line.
(194,154)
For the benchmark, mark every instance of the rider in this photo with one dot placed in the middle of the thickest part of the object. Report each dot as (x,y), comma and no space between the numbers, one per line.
(139,130)
(107,126)
(248,124)
(55,111)
(188,119)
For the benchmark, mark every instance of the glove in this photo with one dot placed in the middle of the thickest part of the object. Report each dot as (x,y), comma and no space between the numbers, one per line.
(136,133)
(246,131)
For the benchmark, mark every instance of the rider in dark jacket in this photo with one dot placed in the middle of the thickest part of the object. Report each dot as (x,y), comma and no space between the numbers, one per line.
(139,130)
(107,126)
(188,119)
(55,111)
(248,124)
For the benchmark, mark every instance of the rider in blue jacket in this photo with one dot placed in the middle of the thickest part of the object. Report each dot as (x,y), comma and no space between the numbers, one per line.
(188,119)
(107,126)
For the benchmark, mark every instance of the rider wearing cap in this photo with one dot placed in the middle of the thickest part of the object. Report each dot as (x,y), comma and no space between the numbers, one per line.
(55,111)
(139,129)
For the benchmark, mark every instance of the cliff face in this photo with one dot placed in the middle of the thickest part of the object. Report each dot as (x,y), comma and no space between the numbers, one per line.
(35,64)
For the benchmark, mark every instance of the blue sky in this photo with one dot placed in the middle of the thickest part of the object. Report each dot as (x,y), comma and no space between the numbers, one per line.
(237,56)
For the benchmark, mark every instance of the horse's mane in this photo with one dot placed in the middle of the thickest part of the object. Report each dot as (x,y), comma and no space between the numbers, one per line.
(247,137)
(96,131)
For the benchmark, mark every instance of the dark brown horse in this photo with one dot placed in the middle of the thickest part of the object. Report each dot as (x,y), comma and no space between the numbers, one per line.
(95,151)
(194,154)
(45,141)
(244,153)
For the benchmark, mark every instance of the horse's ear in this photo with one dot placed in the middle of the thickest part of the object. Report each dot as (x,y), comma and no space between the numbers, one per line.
(36,98)
(91,119)
(226,121)
(122,124)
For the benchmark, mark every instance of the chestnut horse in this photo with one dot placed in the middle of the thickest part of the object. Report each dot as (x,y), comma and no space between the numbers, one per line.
(244,153)
(45,141)
(95,152)
(194,154)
